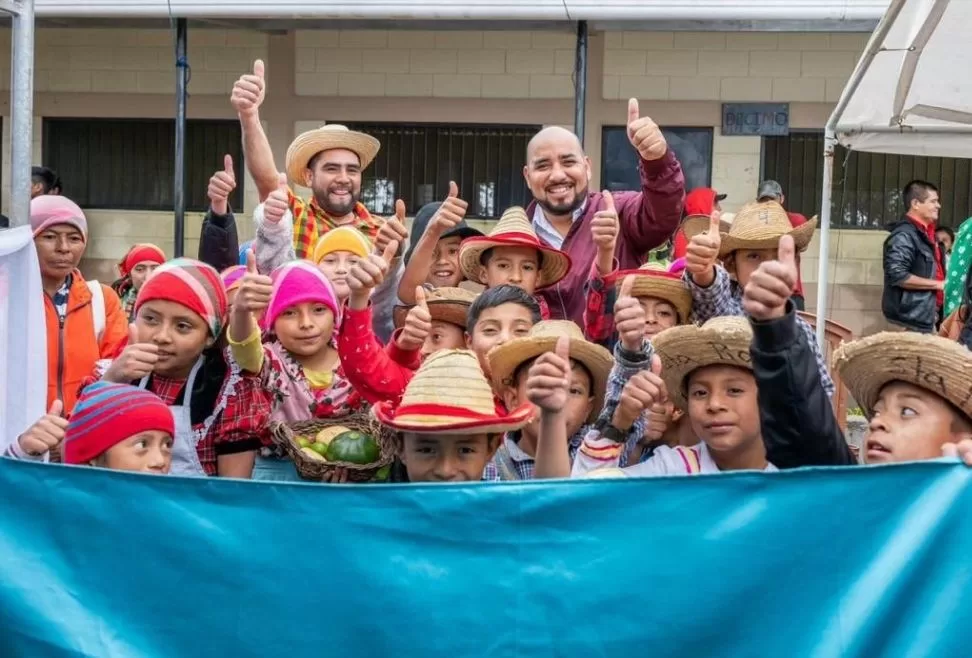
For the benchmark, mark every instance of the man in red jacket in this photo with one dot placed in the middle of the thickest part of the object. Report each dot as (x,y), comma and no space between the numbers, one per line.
(770,190)
(558,173)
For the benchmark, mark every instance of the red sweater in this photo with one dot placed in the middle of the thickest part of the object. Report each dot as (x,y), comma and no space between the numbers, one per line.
(376,373)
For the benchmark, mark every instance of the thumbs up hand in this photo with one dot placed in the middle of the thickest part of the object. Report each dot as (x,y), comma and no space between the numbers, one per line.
(450,213)
(137,360)
(418,324)
(771,285)
(703,252)
(46,434)
(643,392)
(629,317)
(249,91)
(604,231)
(221,185)
(368,273)
(255,288)
(644,134)
(393,229)
(277,203)
(548,381)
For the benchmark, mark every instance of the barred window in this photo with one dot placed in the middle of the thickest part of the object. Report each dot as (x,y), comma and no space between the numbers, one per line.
(128,164)
(619,160)
(417,161)
(867,186)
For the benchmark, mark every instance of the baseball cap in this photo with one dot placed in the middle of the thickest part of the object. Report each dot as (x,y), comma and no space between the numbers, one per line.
(769,189)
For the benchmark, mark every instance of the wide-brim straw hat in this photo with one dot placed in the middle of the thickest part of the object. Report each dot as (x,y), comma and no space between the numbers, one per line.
(449,394)
(513,230)
(651,280)
(327,137)
(445,305)
(506,358)
(935,364)
(757,225)
(722,341)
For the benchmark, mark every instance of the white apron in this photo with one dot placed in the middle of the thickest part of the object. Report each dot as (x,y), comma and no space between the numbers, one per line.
(185,458)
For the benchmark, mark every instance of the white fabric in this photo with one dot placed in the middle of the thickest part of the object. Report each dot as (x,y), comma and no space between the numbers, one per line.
(23,336)
(97,308)
(917,81)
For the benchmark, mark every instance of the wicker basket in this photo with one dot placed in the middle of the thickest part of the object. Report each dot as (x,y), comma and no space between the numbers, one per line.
(314,469)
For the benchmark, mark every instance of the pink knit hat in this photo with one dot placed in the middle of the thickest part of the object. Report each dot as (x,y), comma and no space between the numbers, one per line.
(49,210)
(297,282)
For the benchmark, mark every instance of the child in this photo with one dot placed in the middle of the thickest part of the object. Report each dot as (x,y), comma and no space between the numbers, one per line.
(513,254)
(140,261)
(114,426)
(447,310)
(510,364)
(220,413)
(336,252)
(752,238)
(497,316)
(449,424)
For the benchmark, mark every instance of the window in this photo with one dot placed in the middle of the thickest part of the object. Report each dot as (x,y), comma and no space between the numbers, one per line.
(417,161)
(867,186)
(128,164)
(619,160)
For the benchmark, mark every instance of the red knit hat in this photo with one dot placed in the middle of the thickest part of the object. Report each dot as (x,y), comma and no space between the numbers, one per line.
(141,253)
(193,284)
(107,414)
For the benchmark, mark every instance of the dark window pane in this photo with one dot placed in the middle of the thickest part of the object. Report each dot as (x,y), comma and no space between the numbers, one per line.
(867,186)
(128,164)
(619,160)
(417,161)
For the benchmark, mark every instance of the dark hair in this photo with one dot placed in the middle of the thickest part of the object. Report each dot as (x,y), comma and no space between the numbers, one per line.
(488,254)
(947,231)
(46,177)
(916,190)
(574,363)
(504,294)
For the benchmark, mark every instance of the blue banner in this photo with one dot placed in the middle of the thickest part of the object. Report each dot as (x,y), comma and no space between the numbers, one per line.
(863,562)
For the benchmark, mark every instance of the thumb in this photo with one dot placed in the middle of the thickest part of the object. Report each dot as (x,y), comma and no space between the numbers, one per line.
(258,68)
(57,408)
(633,113)
(453,190)
(400,211)
(132,334)
(251,264)
(787,251)
(420,297)
(390,250)
(282,181)
(563,348)
(715,222)
(228,164)
(608,200)
(627,286)
(656,365)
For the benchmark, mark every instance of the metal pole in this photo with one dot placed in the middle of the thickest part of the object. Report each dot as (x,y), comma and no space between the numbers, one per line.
(830,142)
(21,112)
(580,81)
(179,193)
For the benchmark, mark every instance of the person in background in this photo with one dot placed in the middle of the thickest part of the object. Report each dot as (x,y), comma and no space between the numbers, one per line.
(946,239)
(85,321)
(958,269)
(44,180)
(218,240)
(770,190)
(699,201)
(914,270)
(140,261)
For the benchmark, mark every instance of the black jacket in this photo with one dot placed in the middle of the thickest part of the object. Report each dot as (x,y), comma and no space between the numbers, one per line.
(907,251)
(219,245)
(798,423)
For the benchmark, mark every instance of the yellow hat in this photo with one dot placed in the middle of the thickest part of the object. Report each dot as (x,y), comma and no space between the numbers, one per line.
(343,238)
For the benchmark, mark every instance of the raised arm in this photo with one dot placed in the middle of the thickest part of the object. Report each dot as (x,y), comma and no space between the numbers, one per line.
(248,94)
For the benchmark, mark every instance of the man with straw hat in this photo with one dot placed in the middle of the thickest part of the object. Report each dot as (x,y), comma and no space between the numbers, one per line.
(752,239)
(329,160)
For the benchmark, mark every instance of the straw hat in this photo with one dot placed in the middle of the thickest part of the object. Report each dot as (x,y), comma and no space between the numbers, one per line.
(325,138)
(513,230)
(758,225)
(938,365)
(450,395)
(653,280)
(722,341)
(506,358)
(445,305)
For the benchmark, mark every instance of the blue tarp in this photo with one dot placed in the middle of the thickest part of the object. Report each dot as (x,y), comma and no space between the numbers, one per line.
(864,562)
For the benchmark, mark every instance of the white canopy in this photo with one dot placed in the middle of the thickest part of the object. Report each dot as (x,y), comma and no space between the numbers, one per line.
(911,92)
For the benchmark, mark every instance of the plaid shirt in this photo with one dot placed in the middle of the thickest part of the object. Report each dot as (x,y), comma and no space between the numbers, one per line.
(523,464)
(544,307)
(60,298)
(238,427)
(599,310)
(724,297)
(310,222)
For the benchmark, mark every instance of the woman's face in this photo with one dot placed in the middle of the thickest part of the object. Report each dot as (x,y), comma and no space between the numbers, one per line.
(141,272)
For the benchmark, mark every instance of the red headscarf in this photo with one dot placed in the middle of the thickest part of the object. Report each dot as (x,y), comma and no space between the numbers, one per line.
(700,201)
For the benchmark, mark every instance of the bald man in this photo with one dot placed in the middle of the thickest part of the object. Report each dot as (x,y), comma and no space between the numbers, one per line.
(558,174)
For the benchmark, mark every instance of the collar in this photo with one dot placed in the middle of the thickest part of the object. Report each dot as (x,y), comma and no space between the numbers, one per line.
(538,214)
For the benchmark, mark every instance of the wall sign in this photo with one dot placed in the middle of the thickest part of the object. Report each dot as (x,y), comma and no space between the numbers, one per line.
(761,119)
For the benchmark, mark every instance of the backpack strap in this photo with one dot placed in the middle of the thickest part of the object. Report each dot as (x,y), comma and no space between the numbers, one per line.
(690,457)
(97,308)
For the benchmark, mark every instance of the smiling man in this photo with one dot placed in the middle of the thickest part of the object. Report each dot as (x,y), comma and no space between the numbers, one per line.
(558,173)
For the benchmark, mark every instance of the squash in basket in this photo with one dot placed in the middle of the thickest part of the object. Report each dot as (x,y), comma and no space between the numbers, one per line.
(353,447)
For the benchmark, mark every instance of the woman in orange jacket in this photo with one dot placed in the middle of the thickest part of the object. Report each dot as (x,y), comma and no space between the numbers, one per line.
(85,321)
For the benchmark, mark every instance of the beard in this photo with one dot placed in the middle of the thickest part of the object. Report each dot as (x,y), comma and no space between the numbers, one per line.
(336,208)
(567,208)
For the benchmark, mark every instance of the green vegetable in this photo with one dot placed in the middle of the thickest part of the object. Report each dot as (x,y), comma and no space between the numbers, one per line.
(319,448)
(353,447)
(383,473)
(303,442)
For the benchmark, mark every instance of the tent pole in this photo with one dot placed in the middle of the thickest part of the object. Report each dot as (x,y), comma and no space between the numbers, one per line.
(580,80)
(178,190)
(830,142)
(21,112)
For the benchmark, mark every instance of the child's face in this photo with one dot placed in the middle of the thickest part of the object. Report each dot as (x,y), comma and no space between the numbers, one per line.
(448,457)
(148,452)
(580,402)
(305,329)
(517,266)
(496,326)
(911,424)
(723,407)
(659,315)
(140,273)
(444,336)
(335,267)
(445,271)
(747,261)
(180,334)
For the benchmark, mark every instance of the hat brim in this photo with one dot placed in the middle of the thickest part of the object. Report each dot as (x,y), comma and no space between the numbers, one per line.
(555,265)
(933,363)
(312,142)
(443,419)
(442,310)
(661,285)
(506,358)
(802,235)
(686,348)
(695,224)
